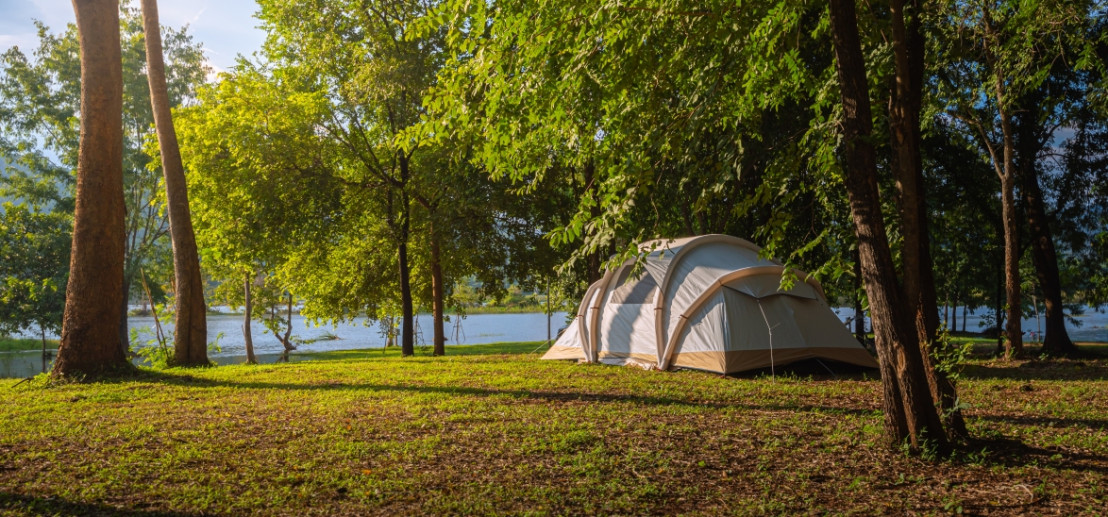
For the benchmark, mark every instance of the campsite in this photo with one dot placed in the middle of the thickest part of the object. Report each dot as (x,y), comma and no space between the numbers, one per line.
(539,257)
(492,429)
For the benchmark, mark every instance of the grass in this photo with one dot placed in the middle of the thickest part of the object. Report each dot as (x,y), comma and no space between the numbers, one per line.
(490,429)
(10,344)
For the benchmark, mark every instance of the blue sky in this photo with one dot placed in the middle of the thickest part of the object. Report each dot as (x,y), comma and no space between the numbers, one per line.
(225,27)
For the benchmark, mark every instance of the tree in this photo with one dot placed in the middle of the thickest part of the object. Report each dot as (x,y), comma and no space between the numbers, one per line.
(259,189)
(39,99)
(373,77)
(190,330)
(909,410)
(905,105)
(89,339)
(34,259)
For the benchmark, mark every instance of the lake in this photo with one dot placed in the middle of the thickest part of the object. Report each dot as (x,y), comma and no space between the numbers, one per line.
(472,330)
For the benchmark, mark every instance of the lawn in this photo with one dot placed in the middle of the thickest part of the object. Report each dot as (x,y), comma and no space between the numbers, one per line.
(491,429)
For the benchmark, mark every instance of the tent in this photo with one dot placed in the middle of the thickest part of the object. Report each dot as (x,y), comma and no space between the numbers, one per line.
(709,303)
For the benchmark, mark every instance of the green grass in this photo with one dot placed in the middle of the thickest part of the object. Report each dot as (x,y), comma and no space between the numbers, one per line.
(490,429)
(10,344)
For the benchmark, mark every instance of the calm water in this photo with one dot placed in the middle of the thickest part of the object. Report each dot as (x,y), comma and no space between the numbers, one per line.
(1093,325)
(473,330)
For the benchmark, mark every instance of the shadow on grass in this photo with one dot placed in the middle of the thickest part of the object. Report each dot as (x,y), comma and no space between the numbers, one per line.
(1046,421)
(1039,370)
(424,351)
(35,505)
(522,395)
(1008,452)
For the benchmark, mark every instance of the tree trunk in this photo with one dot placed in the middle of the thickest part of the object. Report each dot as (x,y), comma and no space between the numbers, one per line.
(190,336)
(954,312)
(286,340)
(919,279)
(248,303)
(124,298)
(407,328)
(910,414)
(859,316)
(999,310)
(1013,329)
(90,325)
(1057,341)
(1006,170)
(437,296)
(42,333)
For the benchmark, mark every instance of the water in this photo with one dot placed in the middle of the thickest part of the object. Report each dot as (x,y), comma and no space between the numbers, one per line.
(473,330)
(1094,325)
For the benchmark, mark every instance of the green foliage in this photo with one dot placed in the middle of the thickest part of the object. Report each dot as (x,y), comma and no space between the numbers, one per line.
(39,120)
(34,268)
(658,120)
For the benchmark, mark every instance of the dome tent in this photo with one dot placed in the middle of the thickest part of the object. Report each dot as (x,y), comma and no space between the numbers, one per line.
(708,303)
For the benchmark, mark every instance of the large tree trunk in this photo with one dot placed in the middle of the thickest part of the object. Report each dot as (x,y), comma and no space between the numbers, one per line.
(910,414)
(190,336)
(248,303)
(437,295)
(904,121)
(90,325)
(1057,341)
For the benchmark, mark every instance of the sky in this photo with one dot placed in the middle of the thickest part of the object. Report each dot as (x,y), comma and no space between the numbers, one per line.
(224,27)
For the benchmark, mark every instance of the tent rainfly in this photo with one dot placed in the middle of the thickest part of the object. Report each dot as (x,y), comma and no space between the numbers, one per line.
(707,303)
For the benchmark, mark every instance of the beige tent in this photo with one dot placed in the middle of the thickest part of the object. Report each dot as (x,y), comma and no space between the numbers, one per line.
(709,303)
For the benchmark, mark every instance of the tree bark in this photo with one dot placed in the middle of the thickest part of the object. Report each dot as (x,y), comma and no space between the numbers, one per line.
(1057,341)
(90,325)
(407,324)
(286,339)
(919,279)
(124,331)
(859,316)
(248,304)
(1006,171)
(190,330)
(910,414)
(407,328)
(437,296)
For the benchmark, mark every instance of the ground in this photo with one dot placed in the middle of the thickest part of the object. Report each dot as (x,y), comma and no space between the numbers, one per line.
(492,430)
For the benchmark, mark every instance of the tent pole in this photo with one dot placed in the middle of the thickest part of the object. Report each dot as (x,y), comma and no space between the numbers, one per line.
(772,367)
